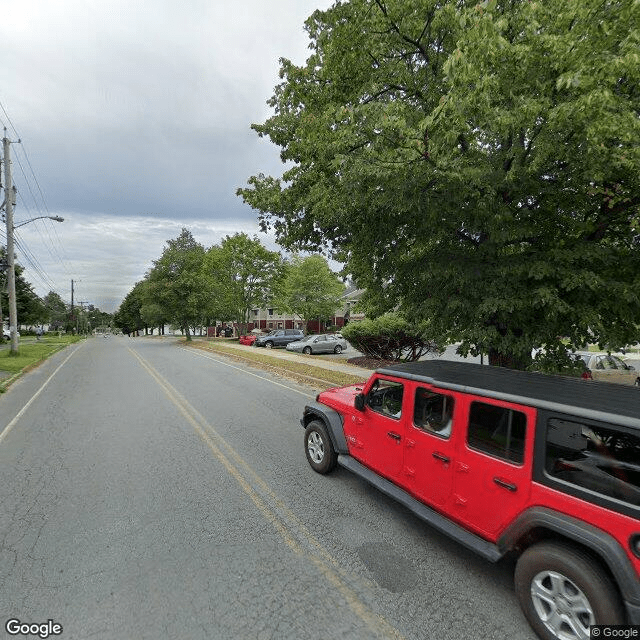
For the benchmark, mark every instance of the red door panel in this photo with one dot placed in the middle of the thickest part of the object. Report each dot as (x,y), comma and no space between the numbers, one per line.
(429,452)
(377,433)
(492,473)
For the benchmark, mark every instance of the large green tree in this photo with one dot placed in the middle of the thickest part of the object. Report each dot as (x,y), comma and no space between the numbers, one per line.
(471,163)
(29,305)
(128,317)
(56,310)
(243,275)
(177,283)
(309,289)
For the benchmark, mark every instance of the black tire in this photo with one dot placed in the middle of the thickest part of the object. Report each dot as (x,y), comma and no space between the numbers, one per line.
(637,382)
(268,345)
(318,447)
(554,578)
(338,349)
(307,350)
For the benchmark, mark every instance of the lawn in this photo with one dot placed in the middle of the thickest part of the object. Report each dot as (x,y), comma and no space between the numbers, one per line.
(30,355)
(302,372)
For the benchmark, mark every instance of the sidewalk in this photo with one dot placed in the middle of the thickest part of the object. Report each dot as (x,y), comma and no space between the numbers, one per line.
(320,361)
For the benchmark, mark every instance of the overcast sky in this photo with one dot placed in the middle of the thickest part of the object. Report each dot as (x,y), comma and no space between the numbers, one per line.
(135,122)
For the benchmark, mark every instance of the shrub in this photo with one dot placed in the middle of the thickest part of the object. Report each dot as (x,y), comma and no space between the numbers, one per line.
(390,337)
(558,360)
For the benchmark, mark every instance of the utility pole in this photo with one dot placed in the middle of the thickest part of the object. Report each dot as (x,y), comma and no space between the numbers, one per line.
(72,318)
(11,271)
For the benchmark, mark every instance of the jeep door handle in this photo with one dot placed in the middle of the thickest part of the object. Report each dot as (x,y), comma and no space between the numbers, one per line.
(507,485)
(439,456)
(395,436)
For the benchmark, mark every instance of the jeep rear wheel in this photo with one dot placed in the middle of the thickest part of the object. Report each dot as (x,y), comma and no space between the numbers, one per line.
(563,591)
(318,447)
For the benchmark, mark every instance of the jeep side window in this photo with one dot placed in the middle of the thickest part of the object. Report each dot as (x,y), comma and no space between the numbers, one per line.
(385,397)
(433,412)
(603,460)
(498,431)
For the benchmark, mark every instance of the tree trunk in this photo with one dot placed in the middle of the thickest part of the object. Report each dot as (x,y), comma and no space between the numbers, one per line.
(509,360)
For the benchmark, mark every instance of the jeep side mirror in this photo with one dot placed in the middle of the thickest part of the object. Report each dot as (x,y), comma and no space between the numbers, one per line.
(359,402)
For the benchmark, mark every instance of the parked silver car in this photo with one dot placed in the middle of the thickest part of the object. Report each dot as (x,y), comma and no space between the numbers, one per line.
(609,368)
(323,343)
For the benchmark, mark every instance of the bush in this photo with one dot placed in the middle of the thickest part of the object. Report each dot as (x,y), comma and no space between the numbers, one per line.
(559,361)
(390,337)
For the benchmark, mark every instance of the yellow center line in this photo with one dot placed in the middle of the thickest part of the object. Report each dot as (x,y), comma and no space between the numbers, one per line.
(240,470)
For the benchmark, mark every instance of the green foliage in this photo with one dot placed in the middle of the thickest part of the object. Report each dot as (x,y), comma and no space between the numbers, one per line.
(177,283)
(29,306)
(242,274)
(189,286)
(128,316)
(472,163)
(56,310)
(309,289)
(391,337)
(558,359)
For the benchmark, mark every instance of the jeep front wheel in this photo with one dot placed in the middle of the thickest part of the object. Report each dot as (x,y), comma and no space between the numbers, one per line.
(563,591)
(318,447)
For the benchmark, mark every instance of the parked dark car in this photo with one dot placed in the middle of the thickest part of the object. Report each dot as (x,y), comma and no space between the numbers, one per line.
(279,338)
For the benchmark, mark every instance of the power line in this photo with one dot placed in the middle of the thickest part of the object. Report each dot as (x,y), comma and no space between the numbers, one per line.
(33,262)
(53,244)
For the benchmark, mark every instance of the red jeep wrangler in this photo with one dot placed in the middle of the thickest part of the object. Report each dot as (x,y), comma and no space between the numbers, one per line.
(506,462)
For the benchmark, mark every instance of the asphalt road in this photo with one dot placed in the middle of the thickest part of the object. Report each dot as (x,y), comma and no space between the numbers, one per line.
(152,491)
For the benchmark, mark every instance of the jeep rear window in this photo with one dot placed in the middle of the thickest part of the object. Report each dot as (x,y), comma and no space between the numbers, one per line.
(603,460)
(498,431)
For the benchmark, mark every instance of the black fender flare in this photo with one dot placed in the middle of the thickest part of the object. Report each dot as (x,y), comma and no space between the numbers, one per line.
(332,420)
(603,545)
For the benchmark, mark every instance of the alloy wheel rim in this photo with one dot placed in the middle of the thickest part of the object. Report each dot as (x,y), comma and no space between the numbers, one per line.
(315,446)
(561,606)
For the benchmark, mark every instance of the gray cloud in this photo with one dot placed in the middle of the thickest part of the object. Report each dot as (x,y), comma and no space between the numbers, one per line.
(139,111)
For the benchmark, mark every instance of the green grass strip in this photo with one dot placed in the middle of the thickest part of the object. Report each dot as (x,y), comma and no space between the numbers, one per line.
(320,374)
(30,355)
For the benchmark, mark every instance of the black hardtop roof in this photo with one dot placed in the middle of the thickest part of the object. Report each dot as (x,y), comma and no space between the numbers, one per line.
(598,400)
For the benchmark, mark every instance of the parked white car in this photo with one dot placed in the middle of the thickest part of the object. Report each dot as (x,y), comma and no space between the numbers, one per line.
(610,368)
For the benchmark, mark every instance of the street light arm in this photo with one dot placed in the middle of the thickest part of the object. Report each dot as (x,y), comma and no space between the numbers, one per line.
(56,218)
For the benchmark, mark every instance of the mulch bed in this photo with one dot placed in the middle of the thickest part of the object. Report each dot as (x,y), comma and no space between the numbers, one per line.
(370,363)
